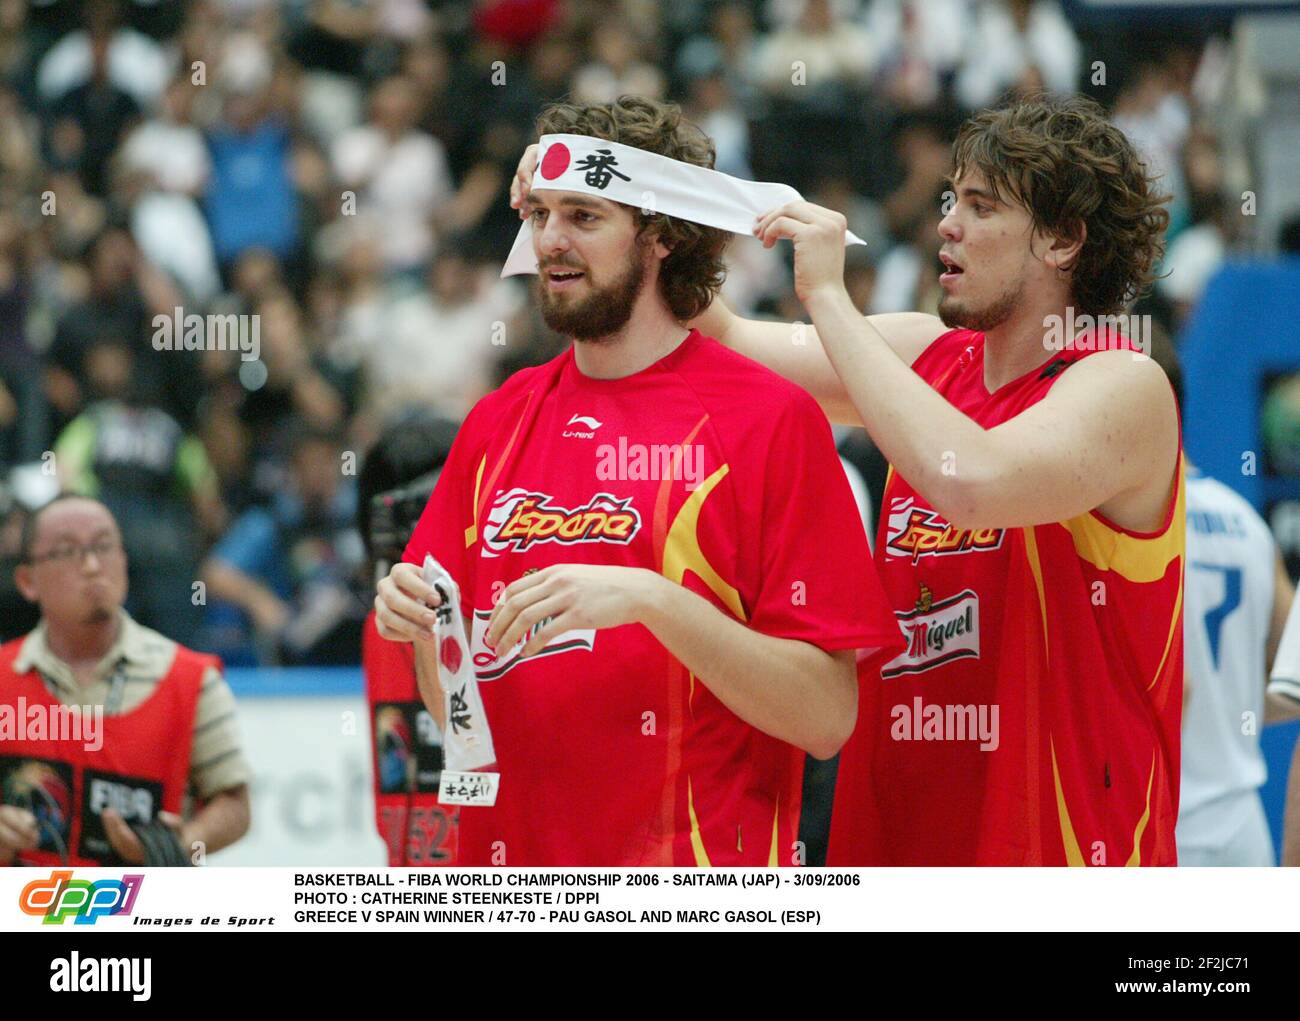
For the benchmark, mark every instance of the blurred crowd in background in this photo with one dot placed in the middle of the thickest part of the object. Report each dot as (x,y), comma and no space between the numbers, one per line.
(340,170)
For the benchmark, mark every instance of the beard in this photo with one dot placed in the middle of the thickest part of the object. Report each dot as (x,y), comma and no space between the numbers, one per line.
(955,314)
(604,311)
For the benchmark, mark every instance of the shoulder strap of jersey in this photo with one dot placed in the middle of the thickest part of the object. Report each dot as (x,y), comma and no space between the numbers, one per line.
(190,666)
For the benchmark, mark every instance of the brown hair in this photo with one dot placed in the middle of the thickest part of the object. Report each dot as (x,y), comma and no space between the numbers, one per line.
(1077,174)
(693,271)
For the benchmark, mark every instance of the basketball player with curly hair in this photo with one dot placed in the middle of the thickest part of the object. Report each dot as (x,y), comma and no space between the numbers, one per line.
(1032,531)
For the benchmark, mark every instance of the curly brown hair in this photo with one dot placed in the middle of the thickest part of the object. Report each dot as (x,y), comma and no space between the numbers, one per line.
(1077,175)
(693,271)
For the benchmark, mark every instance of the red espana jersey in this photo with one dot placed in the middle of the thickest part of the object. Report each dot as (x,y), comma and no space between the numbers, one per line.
(1033,718)
(706,468)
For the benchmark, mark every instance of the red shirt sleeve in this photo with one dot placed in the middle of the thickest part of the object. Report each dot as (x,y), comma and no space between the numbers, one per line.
(818,582)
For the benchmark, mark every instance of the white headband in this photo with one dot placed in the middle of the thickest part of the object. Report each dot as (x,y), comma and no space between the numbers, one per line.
(650,182)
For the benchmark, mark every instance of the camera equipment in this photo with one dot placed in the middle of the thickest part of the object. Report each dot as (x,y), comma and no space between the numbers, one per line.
(393,515)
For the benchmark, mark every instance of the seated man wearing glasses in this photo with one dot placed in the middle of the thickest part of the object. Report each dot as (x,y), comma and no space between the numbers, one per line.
(106,725)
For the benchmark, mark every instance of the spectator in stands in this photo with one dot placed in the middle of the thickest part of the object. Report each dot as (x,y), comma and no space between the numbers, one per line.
(17,615)
(919,43)
(171,233)
(18,50)
(618,67)
(299,383)
(155,480)
(860,281)
(440,344)
(1156,118)
(907,277)
(365,296)
(86,123)
(398,172)
(124,293)
(66,237)
(818,59)
(836,190)
(19,377)
(715,109)
(921,143)
(728,49)
(255,275)
(293,569)
(131,62)
(169,145)
(250,201)
(1021,45)
(1198,251)
(20,155)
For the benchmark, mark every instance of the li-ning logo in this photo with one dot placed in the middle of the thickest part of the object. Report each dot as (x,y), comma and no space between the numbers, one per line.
(61,897)
(917,532)
(520,520)
(589,424)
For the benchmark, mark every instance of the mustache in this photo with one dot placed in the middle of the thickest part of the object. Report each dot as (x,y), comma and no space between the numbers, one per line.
(556,264)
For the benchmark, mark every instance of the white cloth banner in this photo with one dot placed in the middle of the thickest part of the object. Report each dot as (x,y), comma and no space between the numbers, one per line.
(653,183)
(467,739)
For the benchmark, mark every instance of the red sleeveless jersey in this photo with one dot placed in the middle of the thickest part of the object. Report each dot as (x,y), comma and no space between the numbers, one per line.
(406,755)
(141,768)
(1033,718)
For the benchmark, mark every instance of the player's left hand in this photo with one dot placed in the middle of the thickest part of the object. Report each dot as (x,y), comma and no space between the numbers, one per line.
(818,236)
(124,840)
(569,596)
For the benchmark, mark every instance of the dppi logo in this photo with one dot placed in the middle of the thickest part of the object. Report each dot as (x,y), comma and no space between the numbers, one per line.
(61,896)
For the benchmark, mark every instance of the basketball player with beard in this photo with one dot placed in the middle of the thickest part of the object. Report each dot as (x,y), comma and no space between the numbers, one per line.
(1032,532)
(663,568)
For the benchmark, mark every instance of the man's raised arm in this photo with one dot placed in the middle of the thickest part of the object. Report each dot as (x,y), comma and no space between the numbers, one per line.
(1094,442)
(795,351)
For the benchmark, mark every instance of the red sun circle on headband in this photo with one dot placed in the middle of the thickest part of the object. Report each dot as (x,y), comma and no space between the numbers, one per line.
(451,655)
(556,161)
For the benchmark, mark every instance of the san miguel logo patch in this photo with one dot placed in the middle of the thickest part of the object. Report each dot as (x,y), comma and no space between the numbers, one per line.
(520,520)
(916,532)
(937,632)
